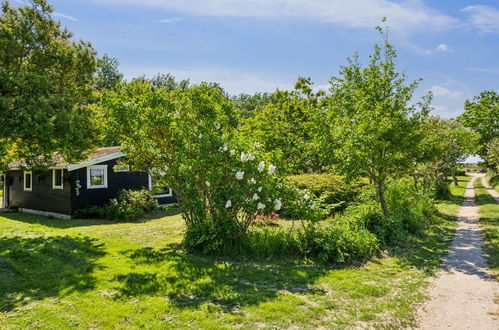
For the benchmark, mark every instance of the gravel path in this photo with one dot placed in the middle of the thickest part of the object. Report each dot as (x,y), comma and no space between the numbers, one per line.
(462,293)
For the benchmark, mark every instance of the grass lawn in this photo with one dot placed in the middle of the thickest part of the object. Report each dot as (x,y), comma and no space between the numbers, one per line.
(489,218)
(96,274)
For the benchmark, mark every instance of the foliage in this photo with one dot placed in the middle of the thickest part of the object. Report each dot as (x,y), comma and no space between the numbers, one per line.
(493,154)
(188,141)
(168,82)
(410,213)
(108,75)
(250,104)
(482,115)
(45,83)
(333,188)
(131,205)
(445,143)
(286,127)
(373,123)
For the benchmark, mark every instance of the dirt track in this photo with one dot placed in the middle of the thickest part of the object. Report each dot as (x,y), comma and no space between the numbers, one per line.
(462,293)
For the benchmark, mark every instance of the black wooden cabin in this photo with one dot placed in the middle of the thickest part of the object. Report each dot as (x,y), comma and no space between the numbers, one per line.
(63,189)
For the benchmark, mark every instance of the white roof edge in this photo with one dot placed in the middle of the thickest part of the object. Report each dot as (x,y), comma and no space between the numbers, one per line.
(96,160)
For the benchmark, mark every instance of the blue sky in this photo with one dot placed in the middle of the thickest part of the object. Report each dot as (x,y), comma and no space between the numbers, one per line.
(258,45)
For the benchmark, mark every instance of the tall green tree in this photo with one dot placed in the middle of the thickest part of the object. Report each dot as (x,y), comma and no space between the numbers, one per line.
(482,115)
(45,83)
(108,75)
(249,104)
(493,154)
(446,142)
(373,121)
(287,126)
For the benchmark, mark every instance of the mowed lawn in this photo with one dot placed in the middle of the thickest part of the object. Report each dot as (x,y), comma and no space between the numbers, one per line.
(97,274)
(489,219)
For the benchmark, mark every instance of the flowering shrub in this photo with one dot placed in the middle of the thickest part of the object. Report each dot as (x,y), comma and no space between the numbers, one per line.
(188,140)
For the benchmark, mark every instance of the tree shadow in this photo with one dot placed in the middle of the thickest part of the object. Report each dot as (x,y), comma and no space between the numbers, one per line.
(190,281)
(33,268)
(426,251)
(74,223)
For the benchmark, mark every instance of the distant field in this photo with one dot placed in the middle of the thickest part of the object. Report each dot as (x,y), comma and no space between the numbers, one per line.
(97,274)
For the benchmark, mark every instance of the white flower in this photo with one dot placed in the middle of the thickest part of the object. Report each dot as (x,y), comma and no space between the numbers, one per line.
(256,197)
(208,183)
(244,157)
(312,206)
(310,170)
(200,136)
(272,169)
(239,175)
(223,148)
(228,204)
(306,197)
(217,125)
(232,152)
(261,166)
(251,157)
(260,206)
(277,204)
(259,189)
(252,181)
(127,104)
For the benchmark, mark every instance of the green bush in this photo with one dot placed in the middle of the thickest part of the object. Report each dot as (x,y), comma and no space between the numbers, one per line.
(409,213)
(332,187)
(131,205)
(338,243)
(332,190)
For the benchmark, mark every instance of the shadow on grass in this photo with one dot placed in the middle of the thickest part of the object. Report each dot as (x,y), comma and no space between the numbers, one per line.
(426,251)
(33,268)
(190,281)
(73,223)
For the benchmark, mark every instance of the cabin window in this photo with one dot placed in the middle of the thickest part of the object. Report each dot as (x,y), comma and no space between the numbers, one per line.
(57,176)
(28,181)
(97,176)
(157,189)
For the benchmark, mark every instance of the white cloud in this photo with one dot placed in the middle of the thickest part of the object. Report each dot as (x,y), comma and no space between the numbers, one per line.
(441,91)
(233,81)
(483,18)
(443,48)
(56,14)
(404,16)
(170,20)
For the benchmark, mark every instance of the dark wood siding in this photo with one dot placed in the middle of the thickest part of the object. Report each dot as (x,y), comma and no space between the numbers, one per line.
(167,200)
(42,197)
(116,181)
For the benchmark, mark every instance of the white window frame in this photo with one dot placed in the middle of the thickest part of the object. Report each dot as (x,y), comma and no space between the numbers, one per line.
(96,167)
(169,194)
(30,179)
(54,186)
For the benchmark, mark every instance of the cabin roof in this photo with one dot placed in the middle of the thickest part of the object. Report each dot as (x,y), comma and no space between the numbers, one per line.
(102,154)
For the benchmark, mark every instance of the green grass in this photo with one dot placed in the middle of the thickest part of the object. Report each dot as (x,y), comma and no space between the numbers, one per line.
(96,274)
(489,218)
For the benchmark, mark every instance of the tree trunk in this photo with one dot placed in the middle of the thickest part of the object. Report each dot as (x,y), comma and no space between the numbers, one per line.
(454,177)
(380,189)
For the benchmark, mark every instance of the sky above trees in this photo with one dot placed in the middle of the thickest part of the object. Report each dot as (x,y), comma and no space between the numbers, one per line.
(258,45)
